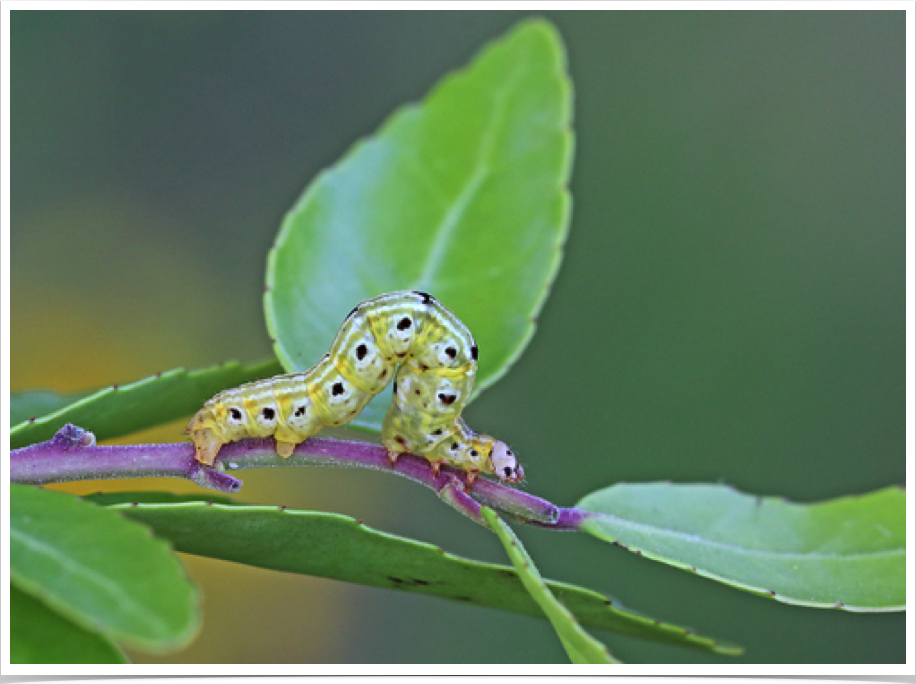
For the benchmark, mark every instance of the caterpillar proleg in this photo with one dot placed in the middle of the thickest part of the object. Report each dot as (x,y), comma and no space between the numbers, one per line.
(436,360)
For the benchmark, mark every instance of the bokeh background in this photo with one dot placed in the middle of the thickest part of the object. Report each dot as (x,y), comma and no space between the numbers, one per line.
(730,308)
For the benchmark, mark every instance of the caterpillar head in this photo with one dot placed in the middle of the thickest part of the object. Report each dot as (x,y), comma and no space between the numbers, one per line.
(505,466)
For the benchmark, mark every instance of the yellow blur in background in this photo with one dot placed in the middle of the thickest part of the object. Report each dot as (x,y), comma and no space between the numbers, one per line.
(143,315)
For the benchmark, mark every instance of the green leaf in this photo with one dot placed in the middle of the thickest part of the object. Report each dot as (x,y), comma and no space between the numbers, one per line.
(103,572)
(845,553)
(463,196)
(36,403)
(339,547)
(40,635)
(123,409)
(581,647)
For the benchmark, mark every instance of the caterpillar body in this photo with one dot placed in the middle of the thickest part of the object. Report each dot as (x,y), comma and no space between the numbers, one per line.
(437,359)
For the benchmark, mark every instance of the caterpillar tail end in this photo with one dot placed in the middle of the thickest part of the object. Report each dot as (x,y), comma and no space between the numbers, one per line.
(206,441)
(206,445)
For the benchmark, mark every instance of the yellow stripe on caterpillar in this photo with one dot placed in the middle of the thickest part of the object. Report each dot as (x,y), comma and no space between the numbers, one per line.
(409,336)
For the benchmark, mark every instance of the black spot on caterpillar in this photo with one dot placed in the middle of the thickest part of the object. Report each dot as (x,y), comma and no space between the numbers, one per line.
(437,356)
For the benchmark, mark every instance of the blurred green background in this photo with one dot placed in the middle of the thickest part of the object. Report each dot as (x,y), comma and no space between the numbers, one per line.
(731,305)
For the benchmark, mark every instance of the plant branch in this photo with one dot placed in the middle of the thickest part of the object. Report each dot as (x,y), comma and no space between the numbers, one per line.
(72,455)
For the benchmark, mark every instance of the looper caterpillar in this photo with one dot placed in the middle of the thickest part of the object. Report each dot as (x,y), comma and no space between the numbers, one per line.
(437,356)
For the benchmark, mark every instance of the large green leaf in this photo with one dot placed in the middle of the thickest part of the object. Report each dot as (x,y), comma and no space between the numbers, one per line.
(339,547)
(41,635)
(845,553)
(103,572)
(581,647)
(123,409)
(462,196)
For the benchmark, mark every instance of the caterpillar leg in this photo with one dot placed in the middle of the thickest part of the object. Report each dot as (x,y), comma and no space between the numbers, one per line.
(435,466)
(206,445)
(472,475)
(393,457)
(285,449)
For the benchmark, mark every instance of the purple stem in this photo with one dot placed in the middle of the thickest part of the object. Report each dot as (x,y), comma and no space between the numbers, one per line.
(72,455)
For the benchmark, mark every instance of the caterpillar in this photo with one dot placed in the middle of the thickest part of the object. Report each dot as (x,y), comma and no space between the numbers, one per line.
(436,360)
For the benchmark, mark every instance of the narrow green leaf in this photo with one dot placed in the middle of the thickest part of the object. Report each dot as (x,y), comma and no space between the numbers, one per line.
(463,196)
(123,409)
(36,403)
(103,572)
(339,547)
(581,647)
(40,635)
(847,553)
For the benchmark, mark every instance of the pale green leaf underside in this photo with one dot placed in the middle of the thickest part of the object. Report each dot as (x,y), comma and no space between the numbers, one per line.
(39,635)
(462,196)
(847,553)
(104,573)
(338,547)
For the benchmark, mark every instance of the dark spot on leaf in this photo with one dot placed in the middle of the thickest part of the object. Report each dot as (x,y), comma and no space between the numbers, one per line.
(463,598)
(423,583)
(396,580)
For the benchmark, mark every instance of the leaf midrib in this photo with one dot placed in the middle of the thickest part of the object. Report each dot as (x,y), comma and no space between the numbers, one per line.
(739,550)
(85,573)
(446,228)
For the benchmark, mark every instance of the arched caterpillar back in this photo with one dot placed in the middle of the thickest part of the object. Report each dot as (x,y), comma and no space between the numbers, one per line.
(438,364)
